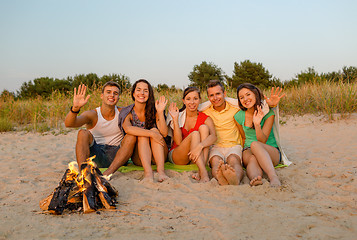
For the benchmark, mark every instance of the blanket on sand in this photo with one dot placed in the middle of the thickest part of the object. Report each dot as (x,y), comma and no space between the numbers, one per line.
(178,168)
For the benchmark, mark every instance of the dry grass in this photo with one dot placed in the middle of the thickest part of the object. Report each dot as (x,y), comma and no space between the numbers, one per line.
(42,115)
(326,98)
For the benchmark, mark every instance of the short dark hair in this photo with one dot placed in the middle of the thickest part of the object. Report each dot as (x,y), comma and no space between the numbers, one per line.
(112,84)
(213,83)
(258,95)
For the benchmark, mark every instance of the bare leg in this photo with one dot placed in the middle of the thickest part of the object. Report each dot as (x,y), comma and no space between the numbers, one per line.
(159,153)
(216,163)
(254,172)
(204,133)
(222,180)
(203,174)
(267,157)
(84,140)
(180,153)
(144,151)
(122,156)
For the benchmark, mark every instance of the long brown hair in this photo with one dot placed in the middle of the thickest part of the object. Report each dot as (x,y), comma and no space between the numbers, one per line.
(150,110)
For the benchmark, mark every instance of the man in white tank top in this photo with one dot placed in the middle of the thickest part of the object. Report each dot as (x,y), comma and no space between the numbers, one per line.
(102,136)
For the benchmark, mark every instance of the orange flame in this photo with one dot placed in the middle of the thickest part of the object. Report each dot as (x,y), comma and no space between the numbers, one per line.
(82,177)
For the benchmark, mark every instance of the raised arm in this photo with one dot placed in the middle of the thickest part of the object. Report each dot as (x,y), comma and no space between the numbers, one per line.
(274,99)
(79,100)
(177,134)
(160,118)
(262,133)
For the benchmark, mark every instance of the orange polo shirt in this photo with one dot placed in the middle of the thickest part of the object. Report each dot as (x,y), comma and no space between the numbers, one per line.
(226,129)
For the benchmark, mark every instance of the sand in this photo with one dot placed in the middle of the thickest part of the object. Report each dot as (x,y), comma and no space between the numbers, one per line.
(318,199)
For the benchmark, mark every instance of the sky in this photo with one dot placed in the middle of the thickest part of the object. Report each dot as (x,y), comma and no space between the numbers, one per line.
(162,40)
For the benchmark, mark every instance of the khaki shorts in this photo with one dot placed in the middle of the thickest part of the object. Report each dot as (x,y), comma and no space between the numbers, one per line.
(224,153)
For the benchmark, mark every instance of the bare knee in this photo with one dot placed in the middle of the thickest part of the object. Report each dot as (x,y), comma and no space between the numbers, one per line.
(255,145)
(129,140)
(84,136)
(203,130)
(233,159)
(195,135)
(142,140)
(214,161)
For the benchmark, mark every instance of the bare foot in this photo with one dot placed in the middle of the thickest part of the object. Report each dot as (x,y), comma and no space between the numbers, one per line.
(196,176)
(256,181)
(230,174)
(162,177)
(220,177)
(204,179)
(148,177)
(275,182)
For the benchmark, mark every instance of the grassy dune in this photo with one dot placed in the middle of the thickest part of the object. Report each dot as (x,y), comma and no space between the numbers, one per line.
(42,115)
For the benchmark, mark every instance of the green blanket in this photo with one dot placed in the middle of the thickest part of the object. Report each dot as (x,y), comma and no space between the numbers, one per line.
(178,168)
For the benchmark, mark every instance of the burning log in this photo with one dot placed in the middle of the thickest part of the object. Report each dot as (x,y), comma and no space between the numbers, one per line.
(88,191)
(60,195)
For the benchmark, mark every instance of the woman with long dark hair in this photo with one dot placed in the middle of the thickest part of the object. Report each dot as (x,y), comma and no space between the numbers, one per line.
(193,133)
(261,151)
(145,119)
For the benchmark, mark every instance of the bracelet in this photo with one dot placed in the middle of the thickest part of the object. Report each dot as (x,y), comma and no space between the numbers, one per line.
(74,111)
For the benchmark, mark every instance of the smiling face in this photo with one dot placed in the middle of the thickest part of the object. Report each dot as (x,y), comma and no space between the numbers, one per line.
(247,98)
(216,96)
(110,95)
(191,101)
(141,92)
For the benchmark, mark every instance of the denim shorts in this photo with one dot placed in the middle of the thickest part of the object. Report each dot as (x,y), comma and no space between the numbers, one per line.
(105,154)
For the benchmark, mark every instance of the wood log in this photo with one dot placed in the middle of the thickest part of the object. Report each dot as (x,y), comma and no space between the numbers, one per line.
(89,191)
(45,202)
(113,193)
(105,199)
(89,194)
(60,195)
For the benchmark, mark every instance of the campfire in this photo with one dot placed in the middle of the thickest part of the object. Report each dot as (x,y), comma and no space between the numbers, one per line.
(86,191)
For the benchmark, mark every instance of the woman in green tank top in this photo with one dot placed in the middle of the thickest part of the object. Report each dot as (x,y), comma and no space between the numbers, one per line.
(260,152)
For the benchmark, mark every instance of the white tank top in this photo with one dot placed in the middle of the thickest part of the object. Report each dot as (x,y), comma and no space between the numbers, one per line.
(107,132)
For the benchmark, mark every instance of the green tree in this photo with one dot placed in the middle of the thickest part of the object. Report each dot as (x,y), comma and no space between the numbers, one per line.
(310,75)
(250,72)
(162,87)
(39,86)
(121,79)
(89,80)
(203,73)
(349,74)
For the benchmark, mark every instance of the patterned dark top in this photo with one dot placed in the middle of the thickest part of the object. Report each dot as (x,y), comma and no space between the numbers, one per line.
(136,121)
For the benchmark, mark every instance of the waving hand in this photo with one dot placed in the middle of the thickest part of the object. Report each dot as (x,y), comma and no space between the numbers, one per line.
(274,97)
(79,97)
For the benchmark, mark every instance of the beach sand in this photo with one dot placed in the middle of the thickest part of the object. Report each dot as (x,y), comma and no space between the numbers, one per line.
(318,199)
